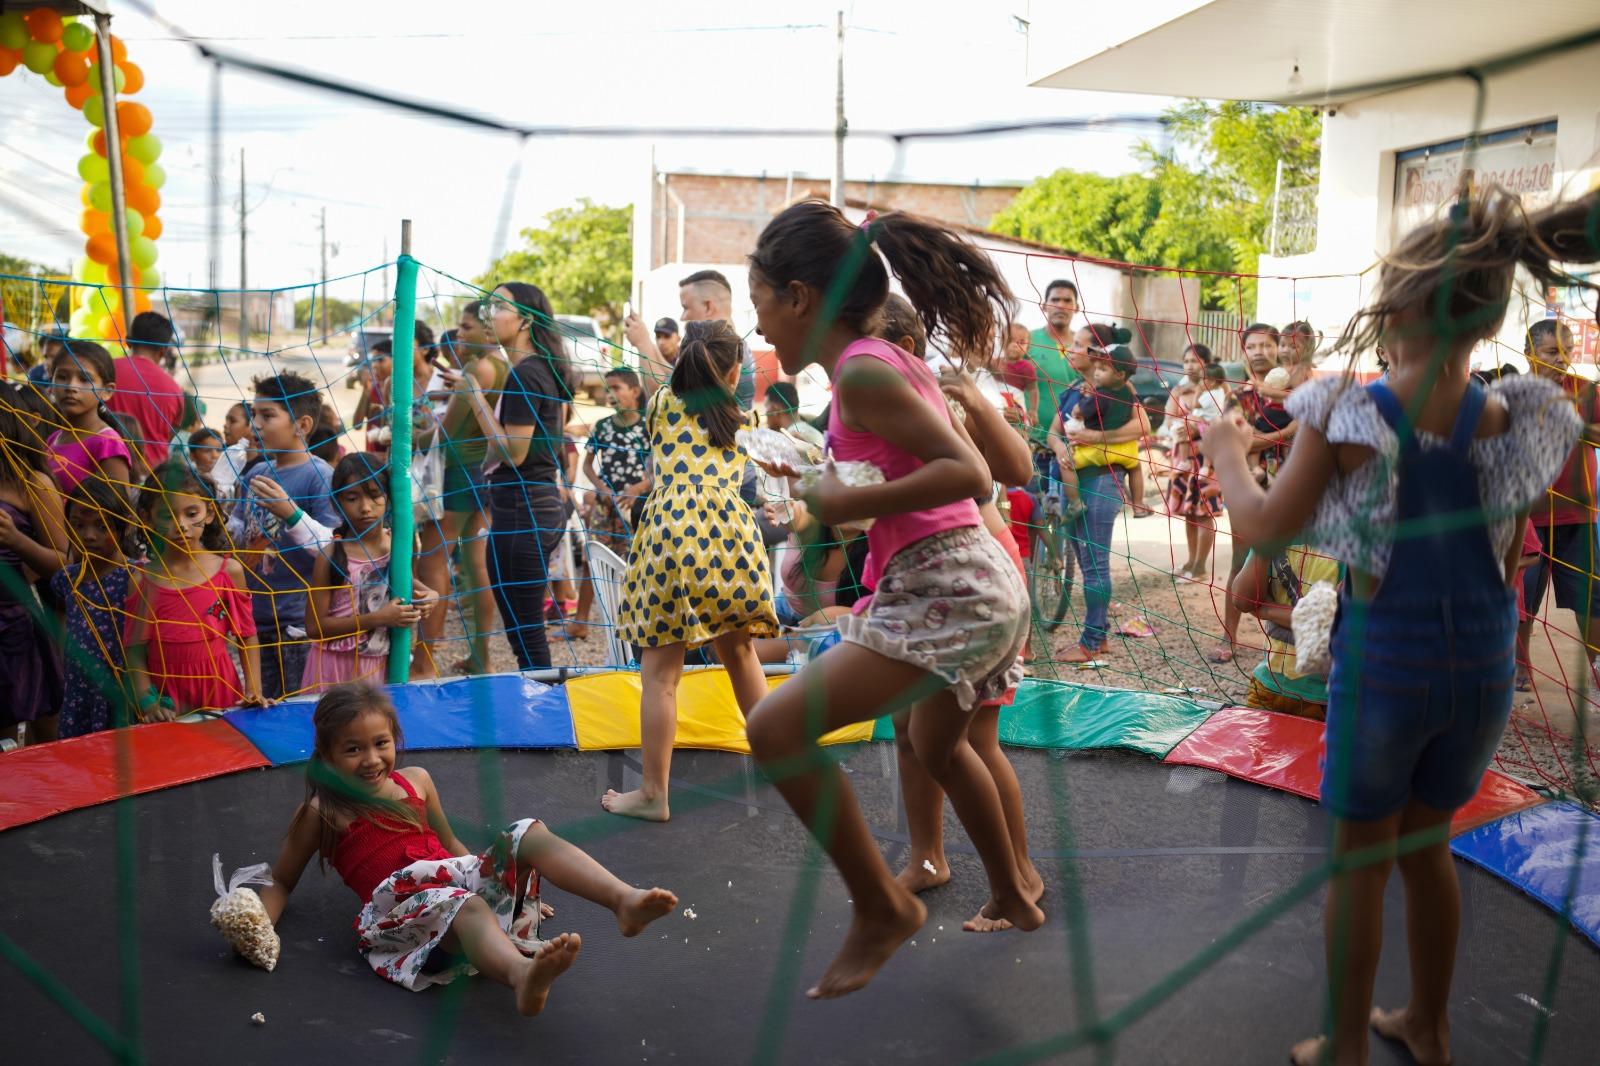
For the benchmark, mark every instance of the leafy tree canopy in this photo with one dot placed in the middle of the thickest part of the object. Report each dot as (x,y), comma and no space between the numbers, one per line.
(582,258)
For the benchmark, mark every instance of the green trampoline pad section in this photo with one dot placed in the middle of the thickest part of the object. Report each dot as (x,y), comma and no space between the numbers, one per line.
(1057,714)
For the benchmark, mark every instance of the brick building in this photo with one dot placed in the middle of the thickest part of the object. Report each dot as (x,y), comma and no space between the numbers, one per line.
(716,218)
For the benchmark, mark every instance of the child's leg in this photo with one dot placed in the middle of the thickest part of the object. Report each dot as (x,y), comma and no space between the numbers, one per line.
(849,684)
(1069,486)
(939,735)
(1433,928)
(574,870)
(924,801)
(984,736)
(476,934)
(737,654)
(660,670)
(1205,537)
(1136,488)
(1352,922)
(461,532)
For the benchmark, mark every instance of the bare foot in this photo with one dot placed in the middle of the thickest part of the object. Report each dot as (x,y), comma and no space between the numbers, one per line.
(1032,883)
(915,878)
(635,804)
(868,945)
(1428,1049)
(641,906)
(985,921)
(1020,911)
(575,630)
(532,986)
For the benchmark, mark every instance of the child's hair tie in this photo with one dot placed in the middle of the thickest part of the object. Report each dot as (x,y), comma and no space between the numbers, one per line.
(866,224)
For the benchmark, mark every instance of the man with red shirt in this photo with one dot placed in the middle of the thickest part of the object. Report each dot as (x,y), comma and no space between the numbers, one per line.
(145,392)
(1565,519)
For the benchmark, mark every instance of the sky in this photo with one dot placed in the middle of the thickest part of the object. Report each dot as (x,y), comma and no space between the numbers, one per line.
(716,63)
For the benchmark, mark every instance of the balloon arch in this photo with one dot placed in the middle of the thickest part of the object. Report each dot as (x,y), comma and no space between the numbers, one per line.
(66,53)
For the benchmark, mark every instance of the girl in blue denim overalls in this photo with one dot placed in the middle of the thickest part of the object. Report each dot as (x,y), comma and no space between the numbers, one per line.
(1420,483)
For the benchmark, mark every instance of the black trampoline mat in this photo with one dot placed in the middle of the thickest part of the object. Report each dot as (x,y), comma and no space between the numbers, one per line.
(1169,859)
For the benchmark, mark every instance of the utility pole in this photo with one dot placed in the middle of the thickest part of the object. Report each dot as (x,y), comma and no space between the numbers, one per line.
(386,290)
(324,275)
(214,212)
(244,271)
(837,193)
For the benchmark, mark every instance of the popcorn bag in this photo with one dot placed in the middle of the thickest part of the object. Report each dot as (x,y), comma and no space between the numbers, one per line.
(240,916)
(1312,622)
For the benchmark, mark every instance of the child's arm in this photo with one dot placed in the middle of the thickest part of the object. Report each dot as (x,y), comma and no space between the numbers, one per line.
(1268,519)
(1251,595)
(603,493)
(1010,461)
(147,702)
(1058,442)
(422,781)
(248,646)
(45,505)
(299,845)
(321,625)
(884,404)
(1263,441)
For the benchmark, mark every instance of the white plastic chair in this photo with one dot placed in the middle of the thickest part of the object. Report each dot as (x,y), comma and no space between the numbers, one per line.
(606,570)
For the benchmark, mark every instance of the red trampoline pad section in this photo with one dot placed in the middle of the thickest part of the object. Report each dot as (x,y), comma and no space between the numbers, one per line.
(1285,752)
(39,781)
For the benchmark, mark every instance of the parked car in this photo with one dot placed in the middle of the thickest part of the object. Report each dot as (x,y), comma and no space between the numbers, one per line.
(590,354)
(1152,383)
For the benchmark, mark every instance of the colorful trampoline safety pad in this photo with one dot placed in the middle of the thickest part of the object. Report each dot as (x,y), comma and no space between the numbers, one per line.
(46,779)
(1056,714)
(1535,850)
(1285,752)
(493,711)
(605,713)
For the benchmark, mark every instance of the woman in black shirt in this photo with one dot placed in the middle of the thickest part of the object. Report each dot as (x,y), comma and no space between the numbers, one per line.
(524,426)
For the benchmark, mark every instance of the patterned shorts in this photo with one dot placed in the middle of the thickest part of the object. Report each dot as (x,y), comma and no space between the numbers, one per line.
(413,908)
(954,605)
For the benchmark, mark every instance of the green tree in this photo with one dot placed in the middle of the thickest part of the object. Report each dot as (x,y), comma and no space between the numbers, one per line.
(30,293)
(582,258)
(341,313)
(1204,203)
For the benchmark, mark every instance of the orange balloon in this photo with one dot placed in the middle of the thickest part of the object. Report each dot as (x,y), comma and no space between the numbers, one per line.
(9,58)
(114,276)
(95,221)
(72,68)
(133,119)
(133,78)
(132,171)
(143,199)
(102,248)
(141,302)
(152,226)
(100,143)
(119,51)
(44,24)
(78,95)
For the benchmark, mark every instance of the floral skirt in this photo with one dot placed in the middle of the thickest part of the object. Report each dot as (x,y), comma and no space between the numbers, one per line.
(413,908)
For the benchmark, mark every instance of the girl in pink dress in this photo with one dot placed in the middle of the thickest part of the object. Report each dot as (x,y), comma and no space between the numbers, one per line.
(188,604)
(350,611)
(82,377)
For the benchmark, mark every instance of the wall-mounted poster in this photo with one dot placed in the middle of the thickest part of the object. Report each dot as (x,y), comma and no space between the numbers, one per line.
(1522,161)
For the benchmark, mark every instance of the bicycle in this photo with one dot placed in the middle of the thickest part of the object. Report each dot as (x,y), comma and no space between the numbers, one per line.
(1053,563)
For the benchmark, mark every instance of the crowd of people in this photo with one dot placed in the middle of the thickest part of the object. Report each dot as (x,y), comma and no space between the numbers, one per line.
(203,569)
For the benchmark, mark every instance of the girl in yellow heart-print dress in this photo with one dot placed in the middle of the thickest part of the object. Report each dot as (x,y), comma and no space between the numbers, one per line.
(698,572)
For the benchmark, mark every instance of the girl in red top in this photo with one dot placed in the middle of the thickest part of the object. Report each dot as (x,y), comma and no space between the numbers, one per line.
(420,888)
(188,604)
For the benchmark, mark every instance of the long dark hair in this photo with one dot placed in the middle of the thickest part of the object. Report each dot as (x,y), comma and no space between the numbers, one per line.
(177,478)
(709,353)
(534,307)
(954,286)
(357,468)
(21,451)
(336,800)
(97,496)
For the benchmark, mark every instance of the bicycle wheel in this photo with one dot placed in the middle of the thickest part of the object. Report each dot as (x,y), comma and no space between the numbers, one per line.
(1050,579)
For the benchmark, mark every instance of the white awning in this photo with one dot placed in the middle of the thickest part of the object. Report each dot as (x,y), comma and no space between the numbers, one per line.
(1249,49)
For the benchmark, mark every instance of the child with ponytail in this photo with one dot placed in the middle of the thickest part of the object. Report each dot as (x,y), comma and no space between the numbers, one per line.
(1420,484)
(949,615)
(698,572)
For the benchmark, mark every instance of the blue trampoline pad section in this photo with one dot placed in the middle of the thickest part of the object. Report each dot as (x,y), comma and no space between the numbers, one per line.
(493,711)
(1535,850)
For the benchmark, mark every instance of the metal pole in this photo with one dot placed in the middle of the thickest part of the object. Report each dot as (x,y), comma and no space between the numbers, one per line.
(1277,195)
(119,199)
(214,259)
(837,193)
(244,267)
(324,275)
(403,519)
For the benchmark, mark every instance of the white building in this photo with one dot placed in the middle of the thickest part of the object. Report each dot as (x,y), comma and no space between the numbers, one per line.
(1396,137)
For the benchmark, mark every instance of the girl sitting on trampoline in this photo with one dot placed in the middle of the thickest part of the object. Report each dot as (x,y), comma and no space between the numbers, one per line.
(387,834)
(1423,650)
(943,631)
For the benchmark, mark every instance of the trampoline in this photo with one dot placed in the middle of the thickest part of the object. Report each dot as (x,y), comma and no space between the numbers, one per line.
(1166,859)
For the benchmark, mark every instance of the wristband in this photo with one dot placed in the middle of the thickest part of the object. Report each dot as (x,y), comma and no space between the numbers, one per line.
(150,698)
(294,519)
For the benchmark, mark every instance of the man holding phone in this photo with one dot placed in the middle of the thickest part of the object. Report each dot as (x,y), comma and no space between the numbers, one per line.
(705,296)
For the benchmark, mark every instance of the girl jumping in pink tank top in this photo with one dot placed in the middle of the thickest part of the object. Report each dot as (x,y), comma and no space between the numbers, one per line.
(942,632)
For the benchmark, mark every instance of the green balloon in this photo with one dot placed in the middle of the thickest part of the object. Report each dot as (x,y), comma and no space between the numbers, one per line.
(100,196)
(50,76)
(77,37)
(146,148)
(94,109)
(13,31)
(117,77)
(92,168)
(149,277)
(39,57)
(155,175)
(143,252)
(135,223)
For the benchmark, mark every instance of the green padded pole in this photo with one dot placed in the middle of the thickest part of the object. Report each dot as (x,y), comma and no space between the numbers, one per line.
(402,517)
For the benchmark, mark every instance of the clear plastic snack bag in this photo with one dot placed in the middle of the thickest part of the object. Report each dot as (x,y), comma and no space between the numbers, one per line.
(240,916)
(1312,622)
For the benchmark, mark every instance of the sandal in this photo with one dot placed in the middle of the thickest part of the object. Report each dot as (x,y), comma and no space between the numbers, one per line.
(1524,681)
(1081,654)
(1223,654)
